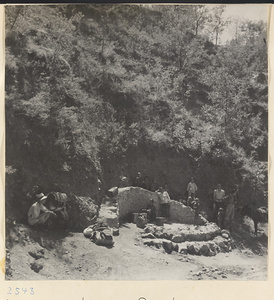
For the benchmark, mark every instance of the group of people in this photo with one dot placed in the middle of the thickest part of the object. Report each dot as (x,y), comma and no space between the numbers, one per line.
(163,193)
(145,183)
(224,206)
(46,208)
(191,201)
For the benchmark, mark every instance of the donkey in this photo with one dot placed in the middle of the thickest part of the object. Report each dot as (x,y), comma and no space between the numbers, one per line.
(258,215)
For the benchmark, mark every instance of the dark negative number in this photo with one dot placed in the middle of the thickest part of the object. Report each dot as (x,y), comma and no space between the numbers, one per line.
(22,291)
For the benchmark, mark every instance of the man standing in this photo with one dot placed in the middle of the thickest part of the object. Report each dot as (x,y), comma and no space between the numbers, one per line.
(38,213)
(146,183)
(138,180)
(218,198)
(192,187)
(151,211)
(230,209)
(123,181)
(164,200)
(100,193)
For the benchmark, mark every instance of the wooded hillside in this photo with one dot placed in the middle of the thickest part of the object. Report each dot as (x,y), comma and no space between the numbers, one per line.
(100,90)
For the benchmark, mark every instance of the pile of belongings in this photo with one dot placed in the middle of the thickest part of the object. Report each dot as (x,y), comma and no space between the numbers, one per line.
(100,234)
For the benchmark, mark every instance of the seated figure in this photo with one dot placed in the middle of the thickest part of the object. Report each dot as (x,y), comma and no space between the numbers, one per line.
(38,213)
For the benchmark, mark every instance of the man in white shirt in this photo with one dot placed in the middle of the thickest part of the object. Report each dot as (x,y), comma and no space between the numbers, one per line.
(38,213)
(164,200)
(192,187)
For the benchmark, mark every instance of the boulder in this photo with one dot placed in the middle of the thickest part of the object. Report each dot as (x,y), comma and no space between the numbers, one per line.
(115,231)
(199,236)
(148,236)
(213,247)
(223,247)
(37,266)
(159,234)
(208,236)
(212,253)
(168,246)
(178,239)
(113,192)
(149,228)
(160,221)
(167,235)
(82,212)
(157,243)
(193,249)
(148,243)
(182,248)
(205,250)
(37,254)
(175,247)
(108,216)
(183,214)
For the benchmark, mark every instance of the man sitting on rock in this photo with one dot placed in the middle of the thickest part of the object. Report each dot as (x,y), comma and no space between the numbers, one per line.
(38,213)
(190,199)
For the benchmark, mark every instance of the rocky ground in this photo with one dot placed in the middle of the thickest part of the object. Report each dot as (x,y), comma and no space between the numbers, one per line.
(41,255)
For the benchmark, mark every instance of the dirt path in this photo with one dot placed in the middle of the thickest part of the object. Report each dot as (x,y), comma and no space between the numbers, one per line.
(72,256)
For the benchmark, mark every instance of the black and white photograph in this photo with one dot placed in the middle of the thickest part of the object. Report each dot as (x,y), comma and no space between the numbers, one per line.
(136,142)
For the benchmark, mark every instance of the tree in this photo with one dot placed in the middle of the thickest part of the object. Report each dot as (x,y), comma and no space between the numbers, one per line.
(217,22)
(200,18)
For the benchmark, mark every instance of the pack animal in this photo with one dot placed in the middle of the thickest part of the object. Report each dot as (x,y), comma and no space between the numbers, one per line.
(258,215)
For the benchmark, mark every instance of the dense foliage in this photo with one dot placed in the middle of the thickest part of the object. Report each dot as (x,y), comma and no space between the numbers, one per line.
(89,85)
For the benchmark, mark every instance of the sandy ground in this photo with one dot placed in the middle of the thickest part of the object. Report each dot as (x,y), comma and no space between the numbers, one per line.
(70,256)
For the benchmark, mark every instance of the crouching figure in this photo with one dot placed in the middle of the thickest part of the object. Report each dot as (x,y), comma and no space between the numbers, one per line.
(38,213)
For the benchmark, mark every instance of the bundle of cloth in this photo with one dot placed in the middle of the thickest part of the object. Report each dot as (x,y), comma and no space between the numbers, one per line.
(100,234)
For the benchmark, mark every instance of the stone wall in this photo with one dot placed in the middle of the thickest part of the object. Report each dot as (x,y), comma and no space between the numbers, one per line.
(109,214)
(180,213)
(133,200)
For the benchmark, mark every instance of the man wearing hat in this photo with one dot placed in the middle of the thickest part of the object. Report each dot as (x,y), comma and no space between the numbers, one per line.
(38,213)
